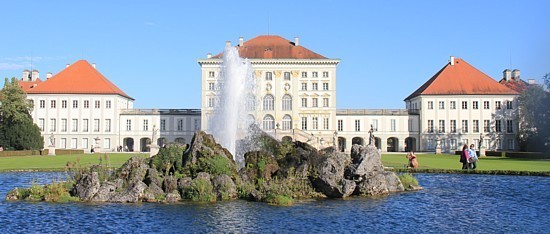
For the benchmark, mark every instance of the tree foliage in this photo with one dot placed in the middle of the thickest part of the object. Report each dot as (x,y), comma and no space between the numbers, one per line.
(17,130)
(534,134)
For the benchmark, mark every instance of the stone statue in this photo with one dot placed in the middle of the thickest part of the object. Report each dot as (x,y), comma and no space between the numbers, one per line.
(155,131)
(52,140)
(371,135)
(480,140)
(335,140)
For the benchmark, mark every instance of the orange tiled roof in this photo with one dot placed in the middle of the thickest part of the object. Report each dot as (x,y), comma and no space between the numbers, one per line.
(26,85)
(78,78)
(518,85)
(460,79)
(273,47)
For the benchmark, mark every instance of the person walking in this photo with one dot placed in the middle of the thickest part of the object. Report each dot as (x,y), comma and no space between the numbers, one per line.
(473,157)
(465,157)
(413,163)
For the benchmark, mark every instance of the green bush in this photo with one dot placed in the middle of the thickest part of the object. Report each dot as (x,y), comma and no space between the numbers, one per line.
(200,190)
(408,180)
(216,165)
(279,200)
(168,160)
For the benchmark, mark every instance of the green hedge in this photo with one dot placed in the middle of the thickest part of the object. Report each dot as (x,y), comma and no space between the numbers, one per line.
(38,152)
(530,155)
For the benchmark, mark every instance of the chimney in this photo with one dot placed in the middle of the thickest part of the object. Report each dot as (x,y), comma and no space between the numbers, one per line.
(93,65)
(506,74)
(452,60)
(296,41)
(515,74)
(35,75)
(26,75)
(66,66)
(48,75)
(227,43)
(531,81)
(241,41)
(209,55)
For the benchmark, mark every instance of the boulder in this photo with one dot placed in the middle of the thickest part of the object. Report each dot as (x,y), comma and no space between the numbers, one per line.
(379,184)
(259,164)
(173,197)
(152,193)
(105,192)
(86,186)
(366,160)
(329,176)
(169,184)
(152,177)
(132,171)
(132,194)
(13,195)
(224,187)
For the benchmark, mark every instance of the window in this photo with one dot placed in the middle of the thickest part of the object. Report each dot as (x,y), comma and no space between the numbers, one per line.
(304,74)
(474,105)
(84,142)
(476,125)
(41,123)
(75,104)
(497,105)
(107,125)
(163,125)
(107,143)
(108,104)
(287,102)
(96,125)
(314,86)
(453,143)
(509,126)
(304,86)
(287,75)
(145,125)
(64,104)
(410,125)
(498,143)
(268,76)
(357,125)
(97,104)
(31,102)
(42,104)
(210,102)
(453,105)
(304,123)
(325,102)
(465,126)
(211,86)
(511,144)
(486,125)
(268,123)
(314,123)
(197,124)
(430,105)
(180,125)
(441,126)
(430,126)
(464,105)
(453,125)
(211,74)
(74,125)
(375,125)
(393,126)
(63,125)
(325,74)
(314,102)
(86,104)
(441,105)
(325,123)
(498,127)
(52,125)
(128,125)
(509,105)
(304,102)
(268,102)
(74,143)
(52,104)
(85,125)
(325,86)
(287,122)
(340,125)
(63,143)
(314,74)
(486,105)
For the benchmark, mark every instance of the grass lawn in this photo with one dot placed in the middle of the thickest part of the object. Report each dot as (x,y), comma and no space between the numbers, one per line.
(58,162)
(446,161)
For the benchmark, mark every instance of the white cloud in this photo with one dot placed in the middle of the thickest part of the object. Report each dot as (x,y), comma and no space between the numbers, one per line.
(13,66)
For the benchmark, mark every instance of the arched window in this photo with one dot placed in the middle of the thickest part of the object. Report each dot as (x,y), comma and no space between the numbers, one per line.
(287,102)
(268,102)
(287,122)
(268,123)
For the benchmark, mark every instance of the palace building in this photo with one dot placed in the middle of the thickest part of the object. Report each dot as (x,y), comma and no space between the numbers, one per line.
(296,99)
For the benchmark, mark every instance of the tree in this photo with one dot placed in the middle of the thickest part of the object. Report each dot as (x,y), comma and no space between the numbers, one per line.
(17,129)
(534,107)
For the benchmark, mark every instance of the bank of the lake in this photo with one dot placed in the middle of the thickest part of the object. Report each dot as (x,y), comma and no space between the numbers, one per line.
(448,203)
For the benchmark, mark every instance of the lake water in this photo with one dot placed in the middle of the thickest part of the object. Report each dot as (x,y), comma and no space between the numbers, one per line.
(449,203)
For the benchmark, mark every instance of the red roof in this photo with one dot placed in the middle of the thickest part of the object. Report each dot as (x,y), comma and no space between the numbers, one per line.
(273,47)
(516,84)
(78,78)
(26,85)
(461,79)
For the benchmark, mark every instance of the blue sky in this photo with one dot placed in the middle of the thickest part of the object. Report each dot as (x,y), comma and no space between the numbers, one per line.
(387,49)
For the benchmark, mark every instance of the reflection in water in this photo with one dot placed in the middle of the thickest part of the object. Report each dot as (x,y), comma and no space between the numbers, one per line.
(449,203)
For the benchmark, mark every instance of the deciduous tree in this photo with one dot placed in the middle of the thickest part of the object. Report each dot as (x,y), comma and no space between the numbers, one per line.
(534,107)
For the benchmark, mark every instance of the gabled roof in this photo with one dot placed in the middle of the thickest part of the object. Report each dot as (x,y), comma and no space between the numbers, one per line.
(273,47)
(26,85)
(78,78)
(518,85)
(461,78)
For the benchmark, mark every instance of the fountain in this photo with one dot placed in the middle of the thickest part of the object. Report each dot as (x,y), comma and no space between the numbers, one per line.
(233,114)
